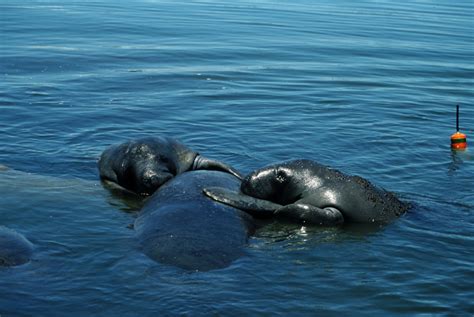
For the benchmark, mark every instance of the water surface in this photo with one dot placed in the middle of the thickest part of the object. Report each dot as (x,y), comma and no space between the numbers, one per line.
(369,87)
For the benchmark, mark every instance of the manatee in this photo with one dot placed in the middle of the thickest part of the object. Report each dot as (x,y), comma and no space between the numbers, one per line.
(15,249)
(143,165)
(181,227)
(307,192)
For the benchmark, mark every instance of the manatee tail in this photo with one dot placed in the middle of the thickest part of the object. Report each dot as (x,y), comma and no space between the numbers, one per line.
(256,207)
(203,163)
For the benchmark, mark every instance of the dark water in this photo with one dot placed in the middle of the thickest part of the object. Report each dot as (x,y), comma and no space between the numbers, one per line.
(369,87)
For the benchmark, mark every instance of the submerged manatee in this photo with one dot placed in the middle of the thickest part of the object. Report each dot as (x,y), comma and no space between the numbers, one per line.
(310,193)
(143,165)
(180,226)
(15,249)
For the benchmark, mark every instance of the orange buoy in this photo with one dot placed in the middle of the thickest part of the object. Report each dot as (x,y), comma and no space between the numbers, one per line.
(458,139)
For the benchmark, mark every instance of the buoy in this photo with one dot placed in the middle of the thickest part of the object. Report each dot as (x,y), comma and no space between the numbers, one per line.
(458,139)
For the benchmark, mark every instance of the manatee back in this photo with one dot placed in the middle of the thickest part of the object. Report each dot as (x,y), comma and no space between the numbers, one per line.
(180,226)
(15,249)
(360,201)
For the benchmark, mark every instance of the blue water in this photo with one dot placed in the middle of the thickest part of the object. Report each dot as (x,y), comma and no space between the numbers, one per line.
(369,87)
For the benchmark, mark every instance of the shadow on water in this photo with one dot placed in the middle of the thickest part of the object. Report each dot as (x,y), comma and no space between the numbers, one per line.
(458,158)
(123,199)
(274,232)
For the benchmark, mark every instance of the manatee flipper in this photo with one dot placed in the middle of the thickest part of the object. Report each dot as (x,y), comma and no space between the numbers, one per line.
(203,163)
(302,213)
(256,207)
(311,215)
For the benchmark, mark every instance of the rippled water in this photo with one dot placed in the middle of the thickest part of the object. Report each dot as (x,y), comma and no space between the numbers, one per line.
(369,87)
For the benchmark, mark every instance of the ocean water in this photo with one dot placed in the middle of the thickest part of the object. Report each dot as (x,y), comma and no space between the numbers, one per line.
(368,87)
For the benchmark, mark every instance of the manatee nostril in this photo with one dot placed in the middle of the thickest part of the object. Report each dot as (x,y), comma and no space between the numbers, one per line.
(280,176)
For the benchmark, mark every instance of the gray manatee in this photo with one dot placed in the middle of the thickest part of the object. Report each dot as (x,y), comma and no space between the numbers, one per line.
(180,226)
(15,249)
(310,193)
(143,165)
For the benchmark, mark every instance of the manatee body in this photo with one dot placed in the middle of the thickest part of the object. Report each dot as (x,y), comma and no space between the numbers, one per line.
(143,165)
(15,249)
(180,226)
(307,192)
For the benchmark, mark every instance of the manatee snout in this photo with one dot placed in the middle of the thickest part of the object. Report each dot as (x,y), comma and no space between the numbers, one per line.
(150,178)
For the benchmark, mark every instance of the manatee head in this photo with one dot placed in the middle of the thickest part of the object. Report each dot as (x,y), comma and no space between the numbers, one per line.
(143,165)
(268,183)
